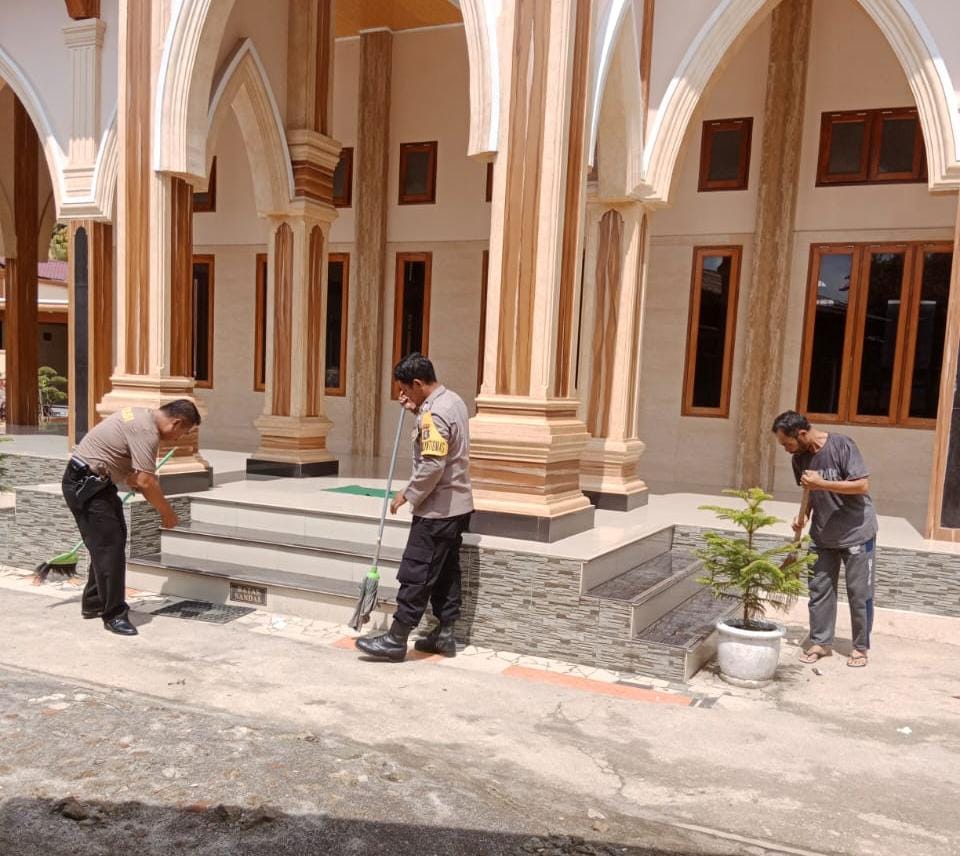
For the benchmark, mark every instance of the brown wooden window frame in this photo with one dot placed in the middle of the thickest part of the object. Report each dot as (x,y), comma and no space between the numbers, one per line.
(711,127)
(402,259)
(898,415)
(344,259)
(488,191)
(210,262)
(484,273)
(206,201)
(429,197)
(345,200)
(699,253)
(869,172)
(260,326)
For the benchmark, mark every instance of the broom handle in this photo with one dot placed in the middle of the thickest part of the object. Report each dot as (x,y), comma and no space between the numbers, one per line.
(127,496)
(386,496)
(804,506)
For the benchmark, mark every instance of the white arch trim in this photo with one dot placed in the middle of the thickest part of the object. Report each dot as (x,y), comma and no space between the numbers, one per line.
(480,29)
(609,27)
(15,78)
(905,31)
(183,84)
(244,87)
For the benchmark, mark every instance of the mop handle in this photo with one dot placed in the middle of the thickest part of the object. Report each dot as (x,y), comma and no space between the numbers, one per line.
(127,496)
(386,496)
(163,460)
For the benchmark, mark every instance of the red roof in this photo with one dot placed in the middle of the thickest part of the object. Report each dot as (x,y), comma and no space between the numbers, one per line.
(51,270)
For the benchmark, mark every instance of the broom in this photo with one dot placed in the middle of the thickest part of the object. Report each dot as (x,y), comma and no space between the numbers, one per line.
(369,588)
(66,563)
(794,554)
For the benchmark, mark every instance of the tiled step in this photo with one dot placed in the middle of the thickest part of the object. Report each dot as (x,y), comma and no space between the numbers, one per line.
(350,519)
(286,592)
(654,587)
(686,634)
(289,552)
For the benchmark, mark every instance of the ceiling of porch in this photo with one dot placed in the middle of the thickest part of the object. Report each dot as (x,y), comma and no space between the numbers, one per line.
(356,15)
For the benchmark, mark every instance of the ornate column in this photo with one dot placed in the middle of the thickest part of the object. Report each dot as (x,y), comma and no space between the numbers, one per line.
(154,251)
(369,266)
(84,38)
(769,290)
(293,428)
(943,509)
(614,279)
(90,284)
(21,313)
(526,439)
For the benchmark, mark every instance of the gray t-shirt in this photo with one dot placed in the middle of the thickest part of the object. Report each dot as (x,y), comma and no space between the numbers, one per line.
(839,520)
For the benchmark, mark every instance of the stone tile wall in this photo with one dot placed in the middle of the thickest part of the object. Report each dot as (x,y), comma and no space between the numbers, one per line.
(30,469)
(911,580)
(531,605)
(41,526)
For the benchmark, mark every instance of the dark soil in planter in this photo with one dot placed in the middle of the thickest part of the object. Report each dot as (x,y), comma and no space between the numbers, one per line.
(740,624)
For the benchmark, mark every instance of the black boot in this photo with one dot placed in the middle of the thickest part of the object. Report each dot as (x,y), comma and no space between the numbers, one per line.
(438,641)
(391,645)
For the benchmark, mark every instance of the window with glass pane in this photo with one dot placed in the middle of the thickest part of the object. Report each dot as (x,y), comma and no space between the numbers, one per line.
(343,179)
(725,154)
(878,339)
(418,172)
(877,315)
(411,327)
(203,320)
(260,326)
(930,331)
(336,324)
(712,322)
(865,146)
(831,305)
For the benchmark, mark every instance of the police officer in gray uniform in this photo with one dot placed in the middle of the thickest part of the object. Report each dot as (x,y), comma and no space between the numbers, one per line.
(121,450)
(442,500)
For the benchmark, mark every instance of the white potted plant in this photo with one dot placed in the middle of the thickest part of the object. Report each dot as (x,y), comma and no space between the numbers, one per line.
(748,646)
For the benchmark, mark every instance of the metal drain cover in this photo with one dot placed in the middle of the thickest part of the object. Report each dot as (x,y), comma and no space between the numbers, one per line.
(201,610)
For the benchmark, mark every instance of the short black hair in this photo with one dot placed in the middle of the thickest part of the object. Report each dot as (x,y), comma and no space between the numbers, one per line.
(414,367)
(791,423)
(183,409)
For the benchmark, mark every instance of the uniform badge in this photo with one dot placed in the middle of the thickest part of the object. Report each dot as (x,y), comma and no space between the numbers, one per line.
(432,443)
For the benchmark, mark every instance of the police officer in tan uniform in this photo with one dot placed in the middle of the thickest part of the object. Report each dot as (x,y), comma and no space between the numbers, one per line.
(121,450)
(442,501)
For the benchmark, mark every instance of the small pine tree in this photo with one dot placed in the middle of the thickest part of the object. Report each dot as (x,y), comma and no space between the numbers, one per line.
(759,579)
(59,241)
(50,386)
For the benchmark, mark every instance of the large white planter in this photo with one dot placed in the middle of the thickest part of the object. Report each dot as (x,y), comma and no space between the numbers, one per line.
(748,658)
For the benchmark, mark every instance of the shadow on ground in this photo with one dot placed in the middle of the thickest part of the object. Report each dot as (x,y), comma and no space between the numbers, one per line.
(31,827)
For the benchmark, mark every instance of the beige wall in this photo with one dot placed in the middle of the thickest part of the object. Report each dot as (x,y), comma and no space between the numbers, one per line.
(851,66)
(454,230)
(234,235)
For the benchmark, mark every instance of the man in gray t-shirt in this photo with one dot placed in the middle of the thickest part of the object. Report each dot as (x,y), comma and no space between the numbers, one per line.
(843,530)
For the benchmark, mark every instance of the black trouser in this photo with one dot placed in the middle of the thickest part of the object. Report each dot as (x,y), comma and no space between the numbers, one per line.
(104,532)
(430,570)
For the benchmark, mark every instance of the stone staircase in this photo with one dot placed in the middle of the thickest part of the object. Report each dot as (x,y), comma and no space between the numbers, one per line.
(632,606)
(294,561)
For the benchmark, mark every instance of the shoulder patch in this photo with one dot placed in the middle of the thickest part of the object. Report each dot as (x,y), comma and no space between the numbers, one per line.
(127,414)
(431,442)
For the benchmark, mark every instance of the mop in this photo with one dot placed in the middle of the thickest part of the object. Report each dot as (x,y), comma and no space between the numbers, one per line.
(66,563)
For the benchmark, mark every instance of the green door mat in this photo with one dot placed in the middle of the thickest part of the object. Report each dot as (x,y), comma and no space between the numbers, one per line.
(357,490)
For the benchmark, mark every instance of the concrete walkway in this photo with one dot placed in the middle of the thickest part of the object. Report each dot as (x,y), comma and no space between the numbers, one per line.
(177,739)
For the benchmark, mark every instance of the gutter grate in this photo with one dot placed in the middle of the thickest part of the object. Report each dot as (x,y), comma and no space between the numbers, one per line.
(201,610)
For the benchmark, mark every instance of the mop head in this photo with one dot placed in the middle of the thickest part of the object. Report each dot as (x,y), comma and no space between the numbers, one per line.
(65,569)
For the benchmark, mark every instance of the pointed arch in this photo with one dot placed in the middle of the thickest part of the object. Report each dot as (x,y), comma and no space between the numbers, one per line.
(480,29)
(186,73)
(243,87)
(18,82)
(905,31)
